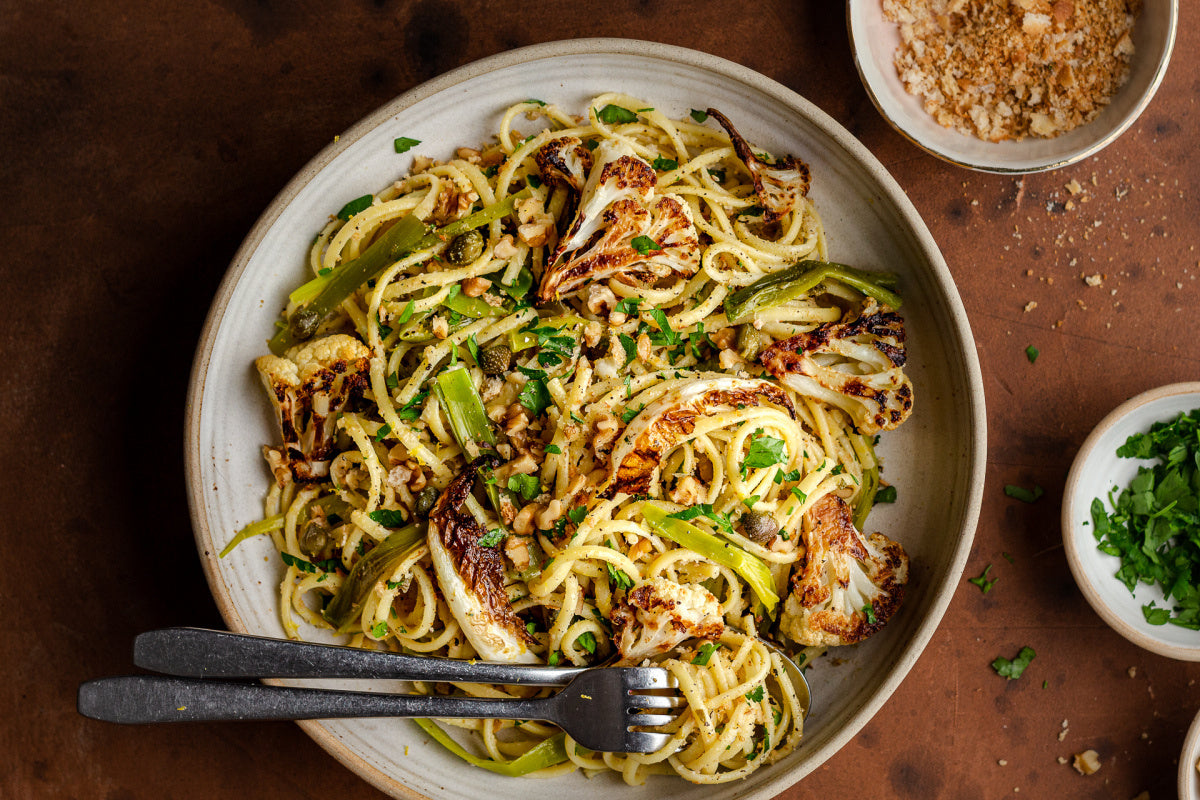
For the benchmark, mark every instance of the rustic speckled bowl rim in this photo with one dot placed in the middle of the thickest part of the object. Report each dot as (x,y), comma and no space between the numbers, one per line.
(889,97)
(1189,776)
(965,409)
(1094,571)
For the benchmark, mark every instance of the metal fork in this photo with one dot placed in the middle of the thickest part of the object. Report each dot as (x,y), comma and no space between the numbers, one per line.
(206,653)
(601,709)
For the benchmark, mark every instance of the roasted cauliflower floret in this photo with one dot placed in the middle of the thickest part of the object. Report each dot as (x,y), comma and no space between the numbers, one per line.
(681,414)
(659,614)
(621,230)
(564,161)
(778,185)
(308,389)
(848,585)
(470,574)
(856,366)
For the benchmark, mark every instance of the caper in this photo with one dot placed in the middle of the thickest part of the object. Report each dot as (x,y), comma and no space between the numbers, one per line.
(750,342)
(496,359)
(314,539)
(304,324)
(759,528)
(425,500)
(464,248)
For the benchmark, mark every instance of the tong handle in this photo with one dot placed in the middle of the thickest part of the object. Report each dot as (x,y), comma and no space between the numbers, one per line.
(205,653)
(138,699)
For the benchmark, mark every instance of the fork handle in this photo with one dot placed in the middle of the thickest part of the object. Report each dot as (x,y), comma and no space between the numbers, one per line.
(204,653)
(136,699)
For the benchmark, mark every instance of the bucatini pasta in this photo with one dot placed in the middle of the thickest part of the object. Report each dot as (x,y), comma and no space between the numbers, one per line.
(590,392)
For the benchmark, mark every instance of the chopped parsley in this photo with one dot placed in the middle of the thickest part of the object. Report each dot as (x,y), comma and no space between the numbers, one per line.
(388,517)
(705,653)
(1031,353)
(885,494)
(765,451)
(587,640)
(302,564)
(1023,494)
(612,114)
(699,116)
(706,510)
(403,144)
(644,244)
(620,579)
(577,514)
(1012,669)
(629,345)
(628,414)
(1153,523)
(382,433)
(535,396)
(354,206)
(665,164)
(379,629)
(492,538)
(553,448)
(406,314)
(527,486)
(412,409)
(628,305)
(983,581)
(869,612)
(756,695)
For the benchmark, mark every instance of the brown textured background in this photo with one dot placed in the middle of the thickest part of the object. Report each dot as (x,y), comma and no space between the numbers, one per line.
(140,142)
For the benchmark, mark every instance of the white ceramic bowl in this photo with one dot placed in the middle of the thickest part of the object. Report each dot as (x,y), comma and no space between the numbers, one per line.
(936,458)
(1095,471)
(1189,776)
(874,41)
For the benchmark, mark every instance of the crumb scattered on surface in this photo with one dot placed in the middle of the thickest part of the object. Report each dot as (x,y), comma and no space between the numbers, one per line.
(1011,69)
(1030,306)
(1087,762)
(1132,670)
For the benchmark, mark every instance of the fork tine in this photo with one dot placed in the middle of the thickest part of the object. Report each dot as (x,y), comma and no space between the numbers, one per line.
(650,720)
(656,700)
(644,742)
(646,678)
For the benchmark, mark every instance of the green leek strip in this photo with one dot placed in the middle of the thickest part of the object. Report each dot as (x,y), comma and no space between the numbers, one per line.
(468,419)
(408,235)
(267,525)
(474,307)
(520,287)
(870,481)
(369,570)
(471,427)
(866,497)
(550,752)
(791,282)
(523,340)
(752,569)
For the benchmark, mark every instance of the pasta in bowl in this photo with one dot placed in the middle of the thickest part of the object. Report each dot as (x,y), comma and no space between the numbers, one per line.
(669,516)
(584,393)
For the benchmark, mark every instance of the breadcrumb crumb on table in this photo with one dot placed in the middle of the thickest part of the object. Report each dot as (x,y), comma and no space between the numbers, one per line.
(1012,69)
(1087,762)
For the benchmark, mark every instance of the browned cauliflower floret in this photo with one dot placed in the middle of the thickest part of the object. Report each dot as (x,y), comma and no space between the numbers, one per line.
(659,614)
(678,415)
(564,161)
(621,230)
(779,184)
(848,585)
(856,366)
(308,388)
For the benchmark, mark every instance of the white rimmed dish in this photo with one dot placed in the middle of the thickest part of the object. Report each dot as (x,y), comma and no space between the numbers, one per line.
(1095,471)
(874,40)
(936,459)
(1189,773)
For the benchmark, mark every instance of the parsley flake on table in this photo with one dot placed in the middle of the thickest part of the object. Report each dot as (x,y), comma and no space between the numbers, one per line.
(402,144)
(1153,525)
(984,583)
(1031,353)
(1012,669)
(1023,494)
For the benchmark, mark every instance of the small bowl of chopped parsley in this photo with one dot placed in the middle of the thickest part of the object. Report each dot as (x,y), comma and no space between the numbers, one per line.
(1131,520)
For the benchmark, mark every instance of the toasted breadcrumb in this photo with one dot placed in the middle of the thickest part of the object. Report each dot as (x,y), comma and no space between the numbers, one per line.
(1012,69)
(1087,762)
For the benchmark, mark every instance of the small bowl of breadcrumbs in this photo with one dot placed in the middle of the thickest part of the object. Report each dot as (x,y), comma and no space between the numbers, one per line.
(1012,86)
